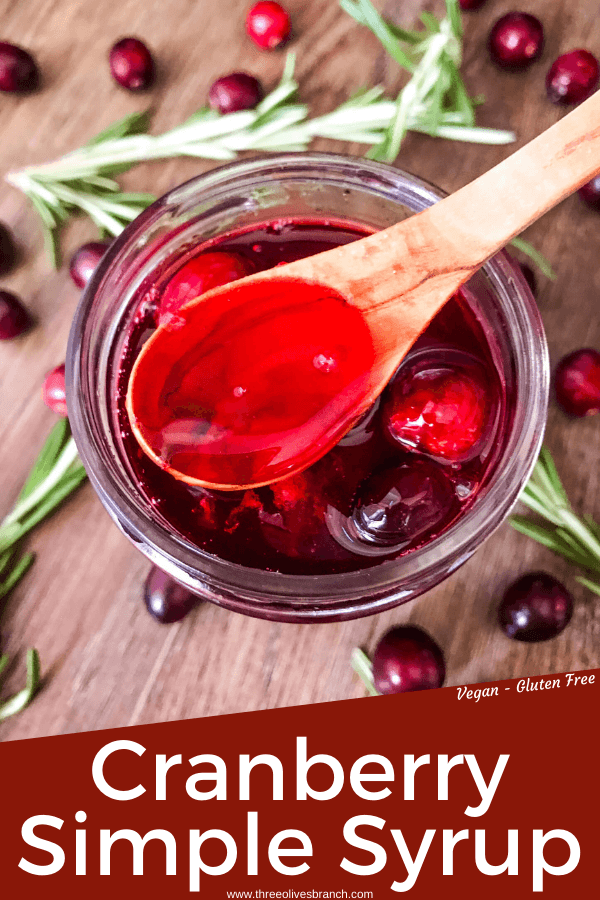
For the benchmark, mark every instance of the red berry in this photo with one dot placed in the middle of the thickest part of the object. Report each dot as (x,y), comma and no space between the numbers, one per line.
(7,250)
(537,607)
(577,383)
(268,24)
(470,4)
(516,40)
(439,410)
(14,318)
(200,274)
(400,505)
(53,390)
(590,193)
(131,64)
(407,659)
(18,70)
(84,261)
(235,92)
(573,77)
(166,600)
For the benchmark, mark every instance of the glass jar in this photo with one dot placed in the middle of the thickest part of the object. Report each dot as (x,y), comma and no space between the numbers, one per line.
(243,194)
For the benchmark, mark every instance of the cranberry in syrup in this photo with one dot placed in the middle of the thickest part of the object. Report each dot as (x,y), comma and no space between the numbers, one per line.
(441,406)
(197,276)
(302,525)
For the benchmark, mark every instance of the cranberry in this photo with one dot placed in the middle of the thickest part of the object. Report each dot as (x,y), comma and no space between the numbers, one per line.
(235,92)
(407,659)
(470,4)
(537,607)
(198,275)
(18,70)
(53,390)
(439,410)
(516,40)
(268,24)
(84,261)
(7,250)
(529,276)
(590,193)
(577,382)
(14,318)
(167,600)
(402,504)
(573,77)
(131,64)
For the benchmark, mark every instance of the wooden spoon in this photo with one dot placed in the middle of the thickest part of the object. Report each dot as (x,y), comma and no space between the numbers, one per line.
(235,393)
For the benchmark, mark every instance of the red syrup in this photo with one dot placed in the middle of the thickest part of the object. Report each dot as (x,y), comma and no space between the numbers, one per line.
(371,498)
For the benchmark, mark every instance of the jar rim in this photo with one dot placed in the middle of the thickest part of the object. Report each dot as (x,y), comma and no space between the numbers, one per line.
(298,597)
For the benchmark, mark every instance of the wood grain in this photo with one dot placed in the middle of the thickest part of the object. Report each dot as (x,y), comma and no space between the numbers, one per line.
(106,662)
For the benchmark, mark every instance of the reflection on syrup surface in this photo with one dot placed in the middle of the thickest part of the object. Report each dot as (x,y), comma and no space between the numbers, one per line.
(404,473)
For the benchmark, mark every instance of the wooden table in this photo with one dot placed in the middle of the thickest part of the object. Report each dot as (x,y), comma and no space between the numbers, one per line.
(106,662)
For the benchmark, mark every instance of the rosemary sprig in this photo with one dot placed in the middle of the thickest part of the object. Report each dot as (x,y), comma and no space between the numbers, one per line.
(433,56)
(361,664)
(535,256)
(575,538)
(434,102)
(56,473)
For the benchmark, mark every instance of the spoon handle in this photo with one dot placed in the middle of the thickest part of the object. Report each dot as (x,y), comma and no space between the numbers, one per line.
(484,215)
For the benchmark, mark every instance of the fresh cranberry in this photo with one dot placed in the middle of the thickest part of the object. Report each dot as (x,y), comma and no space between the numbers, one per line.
(200,274)
(407,659)
(166,600)
(268,24)
(471,4)
(18,70)
(402,504)
(235,92)
(573,77)
(537,607)
(7,250)
(84,261)
(516,40)
(577,382)
(590,193)
(14,318)
(53,390)
(529,276)
(131,64)
(439,410)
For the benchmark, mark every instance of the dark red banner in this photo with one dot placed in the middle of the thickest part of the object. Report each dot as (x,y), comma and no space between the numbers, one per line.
(461,792)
